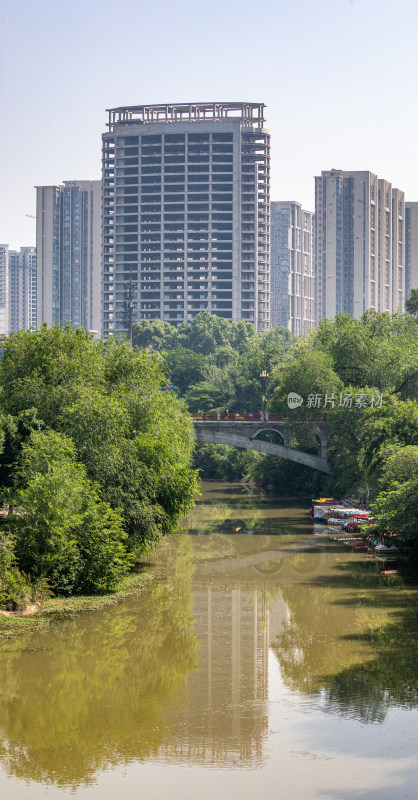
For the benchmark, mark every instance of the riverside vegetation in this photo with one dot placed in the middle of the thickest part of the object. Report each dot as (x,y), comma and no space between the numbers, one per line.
(95,462)
(216,365)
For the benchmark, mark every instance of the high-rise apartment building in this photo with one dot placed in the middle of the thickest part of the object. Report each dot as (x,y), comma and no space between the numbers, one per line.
(4,290)
(359,244)
(411,248)
(291,267)
(22,288)
(186,212)
(68,245)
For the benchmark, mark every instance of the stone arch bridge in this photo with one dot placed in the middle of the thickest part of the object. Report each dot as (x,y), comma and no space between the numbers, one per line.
(242,430)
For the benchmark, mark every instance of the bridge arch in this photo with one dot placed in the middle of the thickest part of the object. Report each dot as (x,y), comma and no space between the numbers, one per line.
(242,434)
(280,433)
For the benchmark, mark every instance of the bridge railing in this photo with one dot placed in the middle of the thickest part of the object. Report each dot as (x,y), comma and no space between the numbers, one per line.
(236,416)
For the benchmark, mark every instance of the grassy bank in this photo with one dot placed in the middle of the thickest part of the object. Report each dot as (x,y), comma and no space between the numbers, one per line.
(56,607)
(150,568)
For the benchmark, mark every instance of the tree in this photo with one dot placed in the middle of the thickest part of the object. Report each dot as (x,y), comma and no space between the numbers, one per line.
(308,373)
(47,369)
(411,304)
(184,367)
(156,335)
(397,511)
(64,531)
(205,396)
(207,332)
(379,350)
(396,504)
(134,440)
(16,591)
(396,423)
(399,464)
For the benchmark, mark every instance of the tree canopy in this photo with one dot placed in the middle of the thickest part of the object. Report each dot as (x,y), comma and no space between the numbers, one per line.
(360,376)
(95,455)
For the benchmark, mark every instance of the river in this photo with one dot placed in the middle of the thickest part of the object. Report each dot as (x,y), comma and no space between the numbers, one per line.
(264,662)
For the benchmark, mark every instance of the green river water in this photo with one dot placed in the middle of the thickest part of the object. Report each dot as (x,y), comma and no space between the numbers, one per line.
(264,662)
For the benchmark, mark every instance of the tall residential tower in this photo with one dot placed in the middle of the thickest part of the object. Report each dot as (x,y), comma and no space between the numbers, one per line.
(4,290)
(291,268)
(359,244)
(68,245)
(411,249)
(186,213)
(22,288)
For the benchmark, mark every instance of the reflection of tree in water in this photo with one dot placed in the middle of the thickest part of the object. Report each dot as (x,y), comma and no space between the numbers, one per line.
(392,678)
(92,691)
(267,568)
(241,511)
(215,546)
(306,562)
(219,547)
(362,650)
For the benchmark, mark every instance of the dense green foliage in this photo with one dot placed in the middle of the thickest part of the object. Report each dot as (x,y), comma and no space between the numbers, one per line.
(64,531)
(215,364)
(411,304)
(117,474)
(358,376)
(95,456)
(16,591)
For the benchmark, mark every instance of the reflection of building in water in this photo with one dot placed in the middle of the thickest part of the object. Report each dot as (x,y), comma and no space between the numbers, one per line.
(225,718)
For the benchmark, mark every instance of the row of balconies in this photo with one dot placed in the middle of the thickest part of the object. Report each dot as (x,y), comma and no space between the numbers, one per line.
(153,185)
(174,169)
(174,175)
(174,149)
(180,158)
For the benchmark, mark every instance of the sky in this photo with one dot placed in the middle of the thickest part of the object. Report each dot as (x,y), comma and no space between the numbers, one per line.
(338,77)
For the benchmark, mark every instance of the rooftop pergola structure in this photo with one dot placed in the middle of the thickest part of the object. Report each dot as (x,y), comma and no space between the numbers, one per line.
(249,114)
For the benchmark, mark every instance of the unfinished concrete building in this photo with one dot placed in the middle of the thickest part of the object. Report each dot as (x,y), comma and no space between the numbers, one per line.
(186,214)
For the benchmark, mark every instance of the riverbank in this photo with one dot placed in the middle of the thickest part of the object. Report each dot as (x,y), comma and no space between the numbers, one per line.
(258,647)
(40,615)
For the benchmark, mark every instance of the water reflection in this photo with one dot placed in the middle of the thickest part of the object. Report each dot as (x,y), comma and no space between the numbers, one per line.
(225,718)
(184,673)
(95,689)
(359,647)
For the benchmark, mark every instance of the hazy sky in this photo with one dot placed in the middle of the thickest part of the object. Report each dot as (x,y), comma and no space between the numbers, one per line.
(339,78)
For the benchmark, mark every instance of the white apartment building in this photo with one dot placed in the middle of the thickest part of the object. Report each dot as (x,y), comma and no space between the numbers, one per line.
(4,290)
(292,267)
(68,245)
(359,244)
(22,288)
(411,250)
(186,213)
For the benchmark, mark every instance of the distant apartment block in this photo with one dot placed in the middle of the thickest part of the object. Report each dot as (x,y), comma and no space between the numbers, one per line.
(186,212)
(22,288)
(68,244)
(411,249)
(4,290)
(359,244)
(291,267)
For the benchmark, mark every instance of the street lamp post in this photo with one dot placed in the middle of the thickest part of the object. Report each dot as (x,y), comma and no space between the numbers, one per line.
(264,375)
